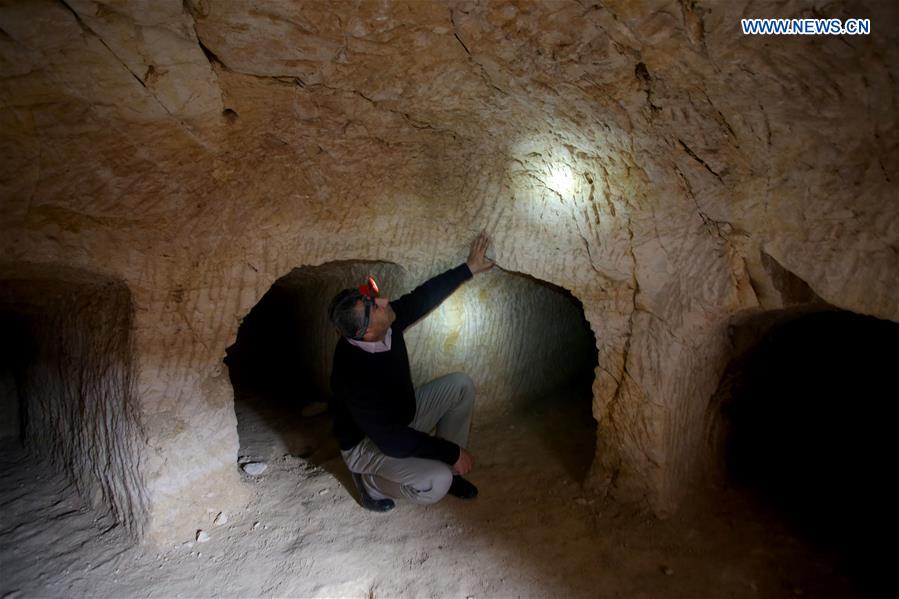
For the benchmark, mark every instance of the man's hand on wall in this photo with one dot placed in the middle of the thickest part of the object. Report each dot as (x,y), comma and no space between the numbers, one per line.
(477,260)
(465,462)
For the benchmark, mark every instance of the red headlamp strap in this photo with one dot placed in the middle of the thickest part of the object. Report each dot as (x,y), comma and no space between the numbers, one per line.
(369,291)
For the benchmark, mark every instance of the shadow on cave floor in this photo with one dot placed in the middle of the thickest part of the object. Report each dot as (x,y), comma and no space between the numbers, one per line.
(49,536)
(533,531)
(562,425)
(270,430)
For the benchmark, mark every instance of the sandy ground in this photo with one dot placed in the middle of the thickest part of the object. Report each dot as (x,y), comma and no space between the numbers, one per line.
(532,532)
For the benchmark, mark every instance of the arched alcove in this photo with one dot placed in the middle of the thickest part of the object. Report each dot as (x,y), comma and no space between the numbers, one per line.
(68,394)
(802,425)
(525,343)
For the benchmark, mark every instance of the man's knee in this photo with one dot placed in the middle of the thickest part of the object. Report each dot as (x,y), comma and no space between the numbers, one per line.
(435,486)
(465,386)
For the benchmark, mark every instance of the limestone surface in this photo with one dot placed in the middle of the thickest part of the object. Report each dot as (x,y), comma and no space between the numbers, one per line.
(668,171)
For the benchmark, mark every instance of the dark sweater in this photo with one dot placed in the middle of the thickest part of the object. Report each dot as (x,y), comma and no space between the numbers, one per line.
(373,393)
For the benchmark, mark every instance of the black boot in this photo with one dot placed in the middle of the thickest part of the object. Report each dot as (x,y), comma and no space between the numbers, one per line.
(369,502)
(462,488)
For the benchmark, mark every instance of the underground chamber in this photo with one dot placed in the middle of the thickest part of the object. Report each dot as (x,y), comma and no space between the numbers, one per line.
(524,342)
(804,430)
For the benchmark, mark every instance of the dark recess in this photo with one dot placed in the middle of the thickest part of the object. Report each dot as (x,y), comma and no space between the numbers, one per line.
(269,357)
(810,430)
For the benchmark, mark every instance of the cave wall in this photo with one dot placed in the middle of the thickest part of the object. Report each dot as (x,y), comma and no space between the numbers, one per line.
(519,340)
(644,156)
(71,365)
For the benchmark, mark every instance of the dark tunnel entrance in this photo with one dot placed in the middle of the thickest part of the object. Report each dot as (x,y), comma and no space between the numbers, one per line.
(807,431)
(281,360)
(525,342)
(14,349)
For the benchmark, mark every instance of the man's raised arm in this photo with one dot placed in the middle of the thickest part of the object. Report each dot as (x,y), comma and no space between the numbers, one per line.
(427,296)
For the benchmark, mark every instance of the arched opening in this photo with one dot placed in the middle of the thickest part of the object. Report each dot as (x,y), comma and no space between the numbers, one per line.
(66,383)
(804,430)
(281,360)
(525,343)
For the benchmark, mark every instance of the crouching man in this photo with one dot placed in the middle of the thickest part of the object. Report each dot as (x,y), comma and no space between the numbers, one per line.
(382,423)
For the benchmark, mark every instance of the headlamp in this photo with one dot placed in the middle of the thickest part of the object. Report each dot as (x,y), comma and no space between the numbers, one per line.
(369,288)
(369,291)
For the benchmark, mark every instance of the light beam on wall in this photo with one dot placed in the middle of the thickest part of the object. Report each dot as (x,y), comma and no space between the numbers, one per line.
(561,180)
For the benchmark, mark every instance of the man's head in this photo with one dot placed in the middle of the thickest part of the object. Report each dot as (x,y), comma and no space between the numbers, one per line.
(361,316)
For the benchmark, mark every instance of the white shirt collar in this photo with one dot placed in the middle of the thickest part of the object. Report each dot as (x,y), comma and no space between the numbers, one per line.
(374,347)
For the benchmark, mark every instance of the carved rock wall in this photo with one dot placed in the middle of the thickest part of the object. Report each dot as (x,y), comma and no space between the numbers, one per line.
(645,156)
(519,339)
(72,367)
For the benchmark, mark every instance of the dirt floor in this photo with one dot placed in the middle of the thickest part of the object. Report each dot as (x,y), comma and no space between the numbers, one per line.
(532,532)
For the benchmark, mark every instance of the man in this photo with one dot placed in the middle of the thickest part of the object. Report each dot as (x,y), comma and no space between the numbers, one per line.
(381,422)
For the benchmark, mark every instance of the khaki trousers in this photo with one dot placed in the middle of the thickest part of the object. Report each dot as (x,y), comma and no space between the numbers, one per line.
(444,404)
